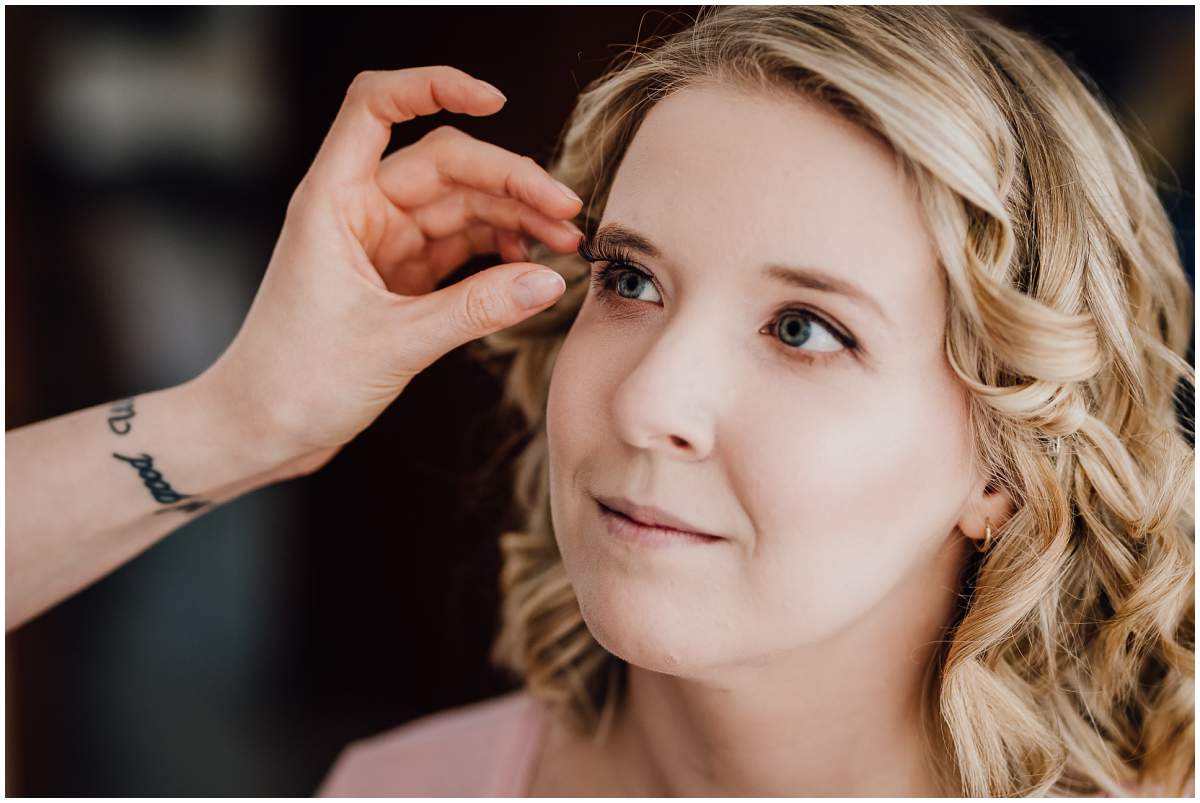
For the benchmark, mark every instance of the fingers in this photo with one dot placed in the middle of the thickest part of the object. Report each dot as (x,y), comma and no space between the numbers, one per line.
(476,306)
(442,256)
(407,179)
(377,99)
(461,211)
(458,248)
(511,246)
(421,275)
(466,206)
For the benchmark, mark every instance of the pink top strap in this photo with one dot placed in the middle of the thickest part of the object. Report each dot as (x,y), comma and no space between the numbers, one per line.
(485,749)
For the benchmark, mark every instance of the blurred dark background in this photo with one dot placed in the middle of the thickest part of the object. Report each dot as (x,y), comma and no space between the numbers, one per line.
(151,153)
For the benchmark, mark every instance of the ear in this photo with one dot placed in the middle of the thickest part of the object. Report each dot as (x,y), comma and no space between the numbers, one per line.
(990,504)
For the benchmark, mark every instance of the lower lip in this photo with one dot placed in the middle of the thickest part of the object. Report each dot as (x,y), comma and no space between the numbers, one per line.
(629,531)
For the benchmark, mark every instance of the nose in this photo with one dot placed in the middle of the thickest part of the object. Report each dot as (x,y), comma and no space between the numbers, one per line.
(668,401)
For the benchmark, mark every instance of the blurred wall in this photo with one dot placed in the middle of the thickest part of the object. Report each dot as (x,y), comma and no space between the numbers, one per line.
(151,154)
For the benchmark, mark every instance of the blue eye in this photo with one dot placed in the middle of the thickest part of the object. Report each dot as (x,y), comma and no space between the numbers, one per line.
(617,281)
(623,281)
(795,328)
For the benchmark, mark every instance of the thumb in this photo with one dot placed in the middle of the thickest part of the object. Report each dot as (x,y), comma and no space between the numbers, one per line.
(483,303)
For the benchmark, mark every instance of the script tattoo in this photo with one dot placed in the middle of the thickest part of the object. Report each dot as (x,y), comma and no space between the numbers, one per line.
(159,488)
(120,423)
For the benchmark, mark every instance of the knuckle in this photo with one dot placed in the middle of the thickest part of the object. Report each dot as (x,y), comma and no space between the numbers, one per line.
(301,198)
(295,203)
(528,170)
(483,310)
(359,82)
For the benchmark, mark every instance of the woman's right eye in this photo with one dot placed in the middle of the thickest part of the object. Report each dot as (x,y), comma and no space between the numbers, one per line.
(616,280)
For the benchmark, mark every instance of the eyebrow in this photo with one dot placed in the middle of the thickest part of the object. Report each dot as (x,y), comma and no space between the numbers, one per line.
(614,235)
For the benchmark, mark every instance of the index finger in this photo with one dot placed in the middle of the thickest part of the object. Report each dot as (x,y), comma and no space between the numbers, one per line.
(377,99)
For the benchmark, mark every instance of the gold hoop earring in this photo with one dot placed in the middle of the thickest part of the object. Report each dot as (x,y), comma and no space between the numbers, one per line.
(987,540)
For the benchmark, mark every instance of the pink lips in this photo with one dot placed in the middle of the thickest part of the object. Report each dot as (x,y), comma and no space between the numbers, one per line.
(649,515)
(635,532)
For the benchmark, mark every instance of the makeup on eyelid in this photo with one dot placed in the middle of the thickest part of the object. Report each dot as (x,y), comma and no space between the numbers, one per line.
(619,262)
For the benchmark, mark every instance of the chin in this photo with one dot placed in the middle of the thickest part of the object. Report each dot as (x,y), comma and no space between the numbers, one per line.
(650,633)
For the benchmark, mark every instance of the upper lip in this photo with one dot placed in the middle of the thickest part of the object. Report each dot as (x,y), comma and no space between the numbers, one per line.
(651,515)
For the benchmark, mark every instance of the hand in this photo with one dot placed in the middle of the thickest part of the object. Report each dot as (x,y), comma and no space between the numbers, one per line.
(345,316)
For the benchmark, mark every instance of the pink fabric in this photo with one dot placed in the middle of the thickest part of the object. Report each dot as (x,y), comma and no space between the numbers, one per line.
(485,749)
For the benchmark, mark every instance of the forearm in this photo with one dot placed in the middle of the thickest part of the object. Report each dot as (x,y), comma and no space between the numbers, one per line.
(89,490)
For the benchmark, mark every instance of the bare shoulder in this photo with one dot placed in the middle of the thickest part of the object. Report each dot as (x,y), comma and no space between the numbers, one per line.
(480,749)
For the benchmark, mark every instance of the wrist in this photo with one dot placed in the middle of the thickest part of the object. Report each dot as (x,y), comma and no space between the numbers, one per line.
(246,434)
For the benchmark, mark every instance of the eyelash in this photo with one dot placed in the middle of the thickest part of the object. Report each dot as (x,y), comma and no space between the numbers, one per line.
(618,261)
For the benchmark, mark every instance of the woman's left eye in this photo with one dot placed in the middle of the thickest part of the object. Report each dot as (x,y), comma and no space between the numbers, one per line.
(794,327)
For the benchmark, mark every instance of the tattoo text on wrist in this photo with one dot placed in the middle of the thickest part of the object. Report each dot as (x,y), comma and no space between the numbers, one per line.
(159,488)
(120,423)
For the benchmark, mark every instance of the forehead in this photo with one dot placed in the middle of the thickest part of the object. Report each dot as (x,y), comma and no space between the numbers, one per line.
(716,175)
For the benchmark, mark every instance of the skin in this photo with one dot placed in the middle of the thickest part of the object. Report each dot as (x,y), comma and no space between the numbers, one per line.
(786,659)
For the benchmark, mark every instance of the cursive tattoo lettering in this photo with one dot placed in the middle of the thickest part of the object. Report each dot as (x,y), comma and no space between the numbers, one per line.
(160,489)
(120,423)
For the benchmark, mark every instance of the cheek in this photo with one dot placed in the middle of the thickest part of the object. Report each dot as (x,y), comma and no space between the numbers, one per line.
(579,428)
(864,500)
(570,408)
(572,399)
(573,420)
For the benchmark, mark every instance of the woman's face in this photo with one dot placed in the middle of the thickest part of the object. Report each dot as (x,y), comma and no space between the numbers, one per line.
(834,473)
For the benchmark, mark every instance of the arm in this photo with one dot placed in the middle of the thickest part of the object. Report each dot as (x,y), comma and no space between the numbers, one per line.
(89,490)
(328,343)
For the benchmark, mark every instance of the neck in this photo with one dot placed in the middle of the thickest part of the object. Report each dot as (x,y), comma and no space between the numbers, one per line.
(679,740)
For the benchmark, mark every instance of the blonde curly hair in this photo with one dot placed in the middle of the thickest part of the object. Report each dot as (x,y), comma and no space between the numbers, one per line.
(1069,666)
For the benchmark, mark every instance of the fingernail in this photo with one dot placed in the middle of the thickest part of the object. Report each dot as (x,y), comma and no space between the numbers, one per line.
(567,190)
(537,287)
(491,88)
(571,227)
